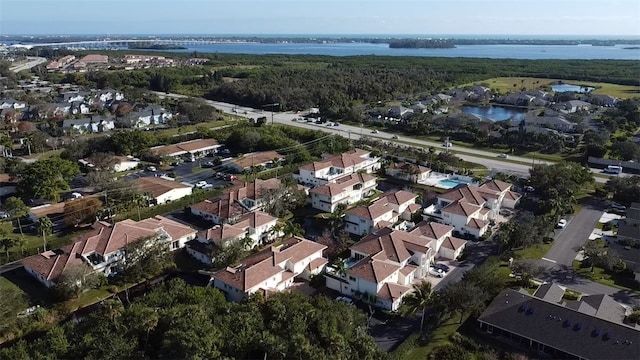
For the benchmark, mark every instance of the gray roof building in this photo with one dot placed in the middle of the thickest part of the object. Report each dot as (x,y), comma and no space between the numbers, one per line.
(587,329)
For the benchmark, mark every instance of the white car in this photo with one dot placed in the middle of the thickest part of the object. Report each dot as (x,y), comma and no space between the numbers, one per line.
(201,184)
(151,168)
(561,224)
(374,132)
(345,300)
(436,272)
(503,156)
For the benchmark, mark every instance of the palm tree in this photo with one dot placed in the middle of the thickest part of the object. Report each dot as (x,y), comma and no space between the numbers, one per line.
(335,218)
(290,229)
(432,150)
(45,226)
(7,243)
(418,300)
(21,242)
(341,266)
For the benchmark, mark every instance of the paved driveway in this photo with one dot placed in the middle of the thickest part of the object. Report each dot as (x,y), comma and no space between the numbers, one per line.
(573,236)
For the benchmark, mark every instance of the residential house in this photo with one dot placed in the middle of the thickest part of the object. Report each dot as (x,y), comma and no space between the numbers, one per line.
(333,167)
(12,104)
(470,209)
(388,209)
(516,99)
(89,125)
(255,227)
(73,96)
(589,328)
(346,190)
(413,173)
(481,93)
(399,112)
(125,163)
(94,59)
(572,106)
(191,148)
(59,110)
(419,108)
(628,239)
(556,122)
(79,107)
(265,159)
(271,270)
(383,266)
(8,184)
(163,189)
(102,248)
(150,116)
(108,95)
(235,202)
(603,100)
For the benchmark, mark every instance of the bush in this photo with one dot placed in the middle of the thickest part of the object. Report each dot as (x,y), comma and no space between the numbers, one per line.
(113,289)
(317,281)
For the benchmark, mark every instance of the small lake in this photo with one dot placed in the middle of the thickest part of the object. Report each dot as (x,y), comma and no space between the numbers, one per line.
(496,113)
(572,88)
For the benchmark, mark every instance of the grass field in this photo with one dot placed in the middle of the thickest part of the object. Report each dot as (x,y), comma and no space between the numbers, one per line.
(505,84)
(33,244)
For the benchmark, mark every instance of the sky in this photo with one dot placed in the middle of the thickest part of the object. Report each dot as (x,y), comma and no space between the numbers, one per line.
(356,17)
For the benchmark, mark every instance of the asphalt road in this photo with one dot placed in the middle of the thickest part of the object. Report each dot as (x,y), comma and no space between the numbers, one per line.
(33,62)
(576,232)
(185,173)
(486,158)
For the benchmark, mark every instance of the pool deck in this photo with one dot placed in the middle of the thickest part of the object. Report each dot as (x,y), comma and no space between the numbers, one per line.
(435,178)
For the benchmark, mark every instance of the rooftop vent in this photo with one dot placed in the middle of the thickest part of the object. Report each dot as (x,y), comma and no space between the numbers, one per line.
(522,308)
(531,311)
(567,323)
(595,332)
(606,336)
(577,327)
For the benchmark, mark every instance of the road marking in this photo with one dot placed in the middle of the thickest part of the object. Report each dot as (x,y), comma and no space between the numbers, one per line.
(549,260)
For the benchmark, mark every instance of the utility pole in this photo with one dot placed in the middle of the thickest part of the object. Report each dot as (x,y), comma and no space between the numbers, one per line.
(272,109)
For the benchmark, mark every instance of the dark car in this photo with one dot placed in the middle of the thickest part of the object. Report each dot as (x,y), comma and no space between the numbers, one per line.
(442,267)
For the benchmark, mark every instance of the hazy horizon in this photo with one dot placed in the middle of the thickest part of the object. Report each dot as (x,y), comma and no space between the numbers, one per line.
(567,18)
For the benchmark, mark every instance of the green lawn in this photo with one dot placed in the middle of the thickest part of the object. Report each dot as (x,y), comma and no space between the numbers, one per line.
(505,85)
(414,348)
(604,277)
(533,252)
(88,297)
(33,244)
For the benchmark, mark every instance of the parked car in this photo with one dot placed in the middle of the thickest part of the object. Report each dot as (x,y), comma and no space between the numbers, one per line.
(395,137)
(442,267)
(436,272)
(618,206)
(503,156)
(374,132)
(345,300)
(561,224)
(208,164)
(4,215)
(151,168)
(336,124)
(200,184)
(206,186)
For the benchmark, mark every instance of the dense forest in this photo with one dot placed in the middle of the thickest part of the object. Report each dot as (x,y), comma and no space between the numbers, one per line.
(337,84)
(179,321)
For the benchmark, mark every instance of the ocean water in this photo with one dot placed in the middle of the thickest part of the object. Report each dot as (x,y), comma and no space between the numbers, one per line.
(585,52)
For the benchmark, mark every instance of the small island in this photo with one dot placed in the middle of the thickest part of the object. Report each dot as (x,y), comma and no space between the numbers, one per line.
(421,44)
(155,47)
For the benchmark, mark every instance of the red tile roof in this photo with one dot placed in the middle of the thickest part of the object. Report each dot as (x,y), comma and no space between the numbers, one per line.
(372,211)
(496,185)
(453,243)
(262,265)
(191,146)
(332,189)
(391,291)
(512,195)
(431,230)
(256,159)
(461,208)
(399,197)
(372,270)
(476,223)
(158,186)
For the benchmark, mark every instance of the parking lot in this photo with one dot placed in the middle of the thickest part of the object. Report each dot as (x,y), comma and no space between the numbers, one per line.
(188,172)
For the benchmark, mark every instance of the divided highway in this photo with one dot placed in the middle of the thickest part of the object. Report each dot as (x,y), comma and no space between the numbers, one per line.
(515,164)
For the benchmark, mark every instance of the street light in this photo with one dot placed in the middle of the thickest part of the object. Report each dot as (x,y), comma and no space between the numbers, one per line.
(272,106)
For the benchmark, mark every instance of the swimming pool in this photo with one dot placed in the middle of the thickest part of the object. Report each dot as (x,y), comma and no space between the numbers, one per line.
(450,183)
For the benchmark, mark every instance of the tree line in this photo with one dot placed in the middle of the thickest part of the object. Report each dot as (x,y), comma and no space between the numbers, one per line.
(177,320)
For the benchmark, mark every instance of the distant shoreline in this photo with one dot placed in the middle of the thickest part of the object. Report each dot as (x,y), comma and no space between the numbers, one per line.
(394,42)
